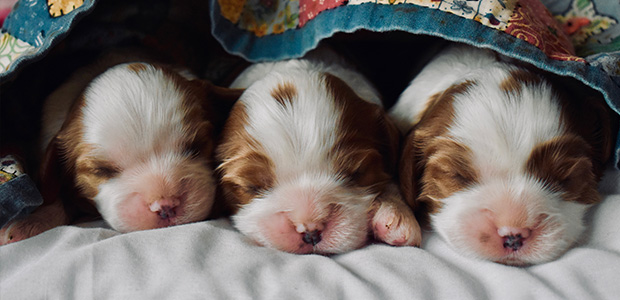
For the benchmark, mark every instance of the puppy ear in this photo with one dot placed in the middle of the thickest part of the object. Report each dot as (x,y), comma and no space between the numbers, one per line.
(603,130)
(53,180)
(565,162)
(222,100)
(393,140)
(51,174)
(409,171)
(587,114)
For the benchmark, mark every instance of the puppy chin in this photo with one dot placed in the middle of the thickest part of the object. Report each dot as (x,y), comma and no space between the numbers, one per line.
(516,223)
(308,216)
(140,200)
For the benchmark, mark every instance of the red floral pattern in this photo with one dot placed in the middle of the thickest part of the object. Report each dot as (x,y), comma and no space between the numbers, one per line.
(532,22)
(308,9)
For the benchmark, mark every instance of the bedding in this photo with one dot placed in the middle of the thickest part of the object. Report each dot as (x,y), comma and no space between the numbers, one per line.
(551,39)
(211,259)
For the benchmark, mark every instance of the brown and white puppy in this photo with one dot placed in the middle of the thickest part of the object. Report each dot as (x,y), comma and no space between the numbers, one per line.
(505,164)
(307,157)
(135,140)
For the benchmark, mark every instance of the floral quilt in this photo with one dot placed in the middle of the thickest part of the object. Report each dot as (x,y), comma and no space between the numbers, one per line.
(576,38)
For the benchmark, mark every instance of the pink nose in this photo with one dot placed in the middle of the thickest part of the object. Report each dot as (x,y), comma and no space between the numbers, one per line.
(165,207)
(513,237)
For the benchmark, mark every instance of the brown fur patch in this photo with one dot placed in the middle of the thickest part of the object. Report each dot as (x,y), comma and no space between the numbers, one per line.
(284,93)
(88,173)
(591,118)
(591,129)
(244,170)
(368,144)
(515,81)
(197,117)
(434,123)
(91,172)
(248,176)
(59,175)
(564,164)
(448,170)
(136,67)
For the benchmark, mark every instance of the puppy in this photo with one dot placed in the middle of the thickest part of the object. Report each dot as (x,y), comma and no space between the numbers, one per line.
(505,163)
(135,140)
(307,157)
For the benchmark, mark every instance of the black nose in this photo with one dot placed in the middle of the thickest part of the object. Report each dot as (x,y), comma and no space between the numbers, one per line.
(167,212)
(514,242)
(311,237)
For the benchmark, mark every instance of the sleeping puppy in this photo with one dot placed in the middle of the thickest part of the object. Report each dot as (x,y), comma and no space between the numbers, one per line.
(135,140)
(307,157)
(504,162)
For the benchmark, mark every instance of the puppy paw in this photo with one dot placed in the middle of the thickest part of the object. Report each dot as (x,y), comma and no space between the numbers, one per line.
(42,219)
(395,224)
(20,230)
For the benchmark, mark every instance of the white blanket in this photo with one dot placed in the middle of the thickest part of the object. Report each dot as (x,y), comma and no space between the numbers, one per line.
(211,260)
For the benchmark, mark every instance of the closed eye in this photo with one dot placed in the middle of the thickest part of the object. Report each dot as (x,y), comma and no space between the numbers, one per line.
(461,179)
(106,172)
(254,190)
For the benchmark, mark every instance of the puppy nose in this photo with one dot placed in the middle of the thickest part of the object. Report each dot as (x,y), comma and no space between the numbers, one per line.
(165,207)
(513,237)
(167,212)
(311,237)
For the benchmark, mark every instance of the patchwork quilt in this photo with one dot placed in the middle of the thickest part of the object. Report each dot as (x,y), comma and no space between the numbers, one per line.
(576,38)
(212,260)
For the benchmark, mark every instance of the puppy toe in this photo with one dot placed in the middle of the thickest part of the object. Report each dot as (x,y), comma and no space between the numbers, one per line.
(22,229)
(396,225)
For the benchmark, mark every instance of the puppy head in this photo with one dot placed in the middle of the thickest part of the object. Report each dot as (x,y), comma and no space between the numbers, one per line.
(139,144)
(303,158)
(501,171)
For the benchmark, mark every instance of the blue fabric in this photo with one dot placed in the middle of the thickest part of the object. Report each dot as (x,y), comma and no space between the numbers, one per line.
(18,197)
(409,18)
(31,22)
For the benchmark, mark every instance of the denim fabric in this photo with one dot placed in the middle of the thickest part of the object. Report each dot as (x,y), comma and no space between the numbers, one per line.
(18,197)
(31,22)
(413,19)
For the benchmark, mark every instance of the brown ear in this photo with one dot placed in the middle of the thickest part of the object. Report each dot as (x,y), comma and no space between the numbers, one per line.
(411,169)
(565,162)
(393,140)
(57,176)
(408,171)
(222,100)
(603,131)
(51,174)
(587,114)
(433,123)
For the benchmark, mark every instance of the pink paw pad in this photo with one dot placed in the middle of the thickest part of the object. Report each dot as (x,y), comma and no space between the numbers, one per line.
(20,230)
(396,227)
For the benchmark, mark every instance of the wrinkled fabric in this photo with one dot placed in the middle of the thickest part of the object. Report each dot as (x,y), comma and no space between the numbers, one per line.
(212,260)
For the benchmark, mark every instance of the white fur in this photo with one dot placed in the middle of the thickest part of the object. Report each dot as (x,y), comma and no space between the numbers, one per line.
(451,66)
(134,118)
(321,60)
(501,130)
(298,139)
(140,111)
(284,198)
